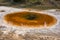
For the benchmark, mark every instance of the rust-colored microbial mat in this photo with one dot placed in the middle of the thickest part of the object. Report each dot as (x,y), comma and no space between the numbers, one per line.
(30,19)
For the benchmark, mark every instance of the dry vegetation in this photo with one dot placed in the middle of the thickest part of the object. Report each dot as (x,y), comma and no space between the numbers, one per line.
(36,4)
(27,36)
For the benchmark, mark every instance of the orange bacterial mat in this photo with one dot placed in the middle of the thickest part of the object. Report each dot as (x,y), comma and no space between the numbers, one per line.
(30,19)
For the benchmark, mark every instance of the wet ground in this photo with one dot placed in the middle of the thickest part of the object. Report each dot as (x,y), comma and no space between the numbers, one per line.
(46,34)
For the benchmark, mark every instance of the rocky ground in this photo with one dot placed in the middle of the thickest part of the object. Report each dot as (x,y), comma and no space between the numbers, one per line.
(27,36)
